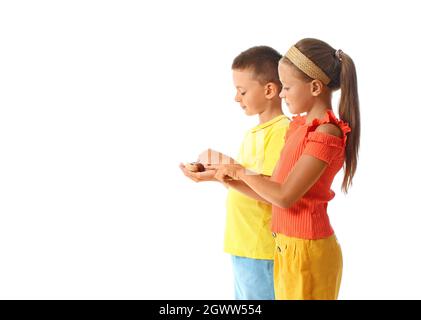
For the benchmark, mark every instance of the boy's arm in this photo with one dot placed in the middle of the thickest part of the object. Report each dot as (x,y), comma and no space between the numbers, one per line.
(213,157)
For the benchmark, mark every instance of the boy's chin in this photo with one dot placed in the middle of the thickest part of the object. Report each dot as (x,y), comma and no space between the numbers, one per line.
(247,112)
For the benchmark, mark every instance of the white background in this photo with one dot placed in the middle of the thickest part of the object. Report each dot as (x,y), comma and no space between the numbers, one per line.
(101,100)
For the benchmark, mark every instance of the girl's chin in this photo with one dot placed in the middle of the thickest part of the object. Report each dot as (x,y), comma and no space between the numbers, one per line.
(293,110)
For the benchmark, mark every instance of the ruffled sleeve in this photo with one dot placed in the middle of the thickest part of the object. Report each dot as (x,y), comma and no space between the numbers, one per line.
(324,146)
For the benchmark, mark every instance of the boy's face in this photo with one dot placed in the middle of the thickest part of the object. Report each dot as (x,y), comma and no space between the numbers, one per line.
(250,93)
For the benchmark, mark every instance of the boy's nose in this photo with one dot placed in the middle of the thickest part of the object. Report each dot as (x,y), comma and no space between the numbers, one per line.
(237,98)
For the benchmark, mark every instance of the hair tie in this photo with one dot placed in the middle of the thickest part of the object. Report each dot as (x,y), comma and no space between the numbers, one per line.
(306,65)
(338,54)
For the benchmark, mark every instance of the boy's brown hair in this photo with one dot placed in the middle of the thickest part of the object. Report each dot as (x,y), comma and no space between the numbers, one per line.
(262,61)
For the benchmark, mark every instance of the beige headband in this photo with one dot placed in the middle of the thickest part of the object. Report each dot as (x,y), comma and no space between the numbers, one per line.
(306,65)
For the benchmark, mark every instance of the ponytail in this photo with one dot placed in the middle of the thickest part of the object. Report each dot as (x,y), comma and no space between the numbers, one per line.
(349,111)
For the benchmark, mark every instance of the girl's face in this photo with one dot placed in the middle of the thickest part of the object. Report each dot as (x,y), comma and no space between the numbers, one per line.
(250,93)
(296,92)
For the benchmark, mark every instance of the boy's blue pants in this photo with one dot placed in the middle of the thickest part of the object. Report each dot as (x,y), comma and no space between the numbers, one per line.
(253,278)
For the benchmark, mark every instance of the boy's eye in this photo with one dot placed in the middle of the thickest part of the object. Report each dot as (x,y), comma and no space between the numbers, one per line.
(243,93)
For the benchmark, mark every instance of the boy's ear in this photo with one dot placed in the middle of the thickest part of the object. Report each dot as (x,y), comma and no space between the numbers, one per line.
(316,87)
(271,90)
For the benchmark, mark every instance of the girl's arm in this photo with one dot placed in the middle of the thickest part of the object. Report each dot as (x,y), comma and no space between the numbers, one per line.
(305,173)
(303,176)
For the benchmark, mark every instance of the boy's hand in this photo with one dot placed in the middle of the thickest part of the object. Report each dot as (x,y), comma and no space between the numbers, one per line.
(207,175)
(212,157)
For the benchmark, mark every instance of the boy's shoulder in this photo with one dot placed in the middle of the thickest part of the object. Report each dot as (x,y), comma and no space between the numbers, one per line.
(280,122)
(284,121)
(280,125)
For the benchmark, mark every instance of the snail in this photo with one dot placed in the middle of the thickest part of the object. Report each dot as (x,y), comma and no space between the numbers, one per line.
(195,167)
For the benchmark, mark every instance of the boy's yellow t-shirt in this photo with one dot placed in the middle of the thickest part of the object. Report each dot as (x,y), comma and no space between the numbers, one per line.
(248,221)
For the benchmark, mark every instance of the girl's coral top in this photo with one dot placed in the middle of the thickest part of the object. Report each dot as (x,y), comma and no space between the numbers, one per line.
(307,218)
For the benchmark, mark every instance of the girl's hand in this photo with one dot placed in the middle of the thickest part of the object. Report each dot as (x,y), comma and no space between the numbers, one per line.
(207,175)
(228,172)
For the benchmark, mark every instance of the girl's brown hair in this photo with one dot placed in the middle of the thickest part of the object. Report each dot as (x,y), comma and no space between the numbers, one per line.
(340,68)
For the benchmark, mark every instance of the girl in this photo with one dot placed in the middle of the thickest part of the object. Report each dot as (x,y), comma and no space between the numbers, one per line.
(308,258)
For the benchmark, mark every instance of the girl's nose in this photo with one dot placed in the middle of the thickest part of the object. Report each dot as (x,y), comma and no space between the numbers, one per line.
(282,94)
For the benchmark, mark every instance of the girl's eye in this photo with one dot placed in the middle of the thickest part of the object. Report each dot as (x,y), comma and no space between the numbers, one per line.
(243,93)
(285,88)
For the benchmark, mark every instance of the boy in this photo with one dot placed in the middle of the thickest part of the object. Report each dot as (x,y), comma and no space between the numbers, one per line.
(247,236)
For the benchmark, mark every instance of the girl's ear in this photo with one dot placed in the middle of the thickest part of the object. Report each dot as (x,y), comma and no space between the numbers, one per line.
(271,90)
(316,87)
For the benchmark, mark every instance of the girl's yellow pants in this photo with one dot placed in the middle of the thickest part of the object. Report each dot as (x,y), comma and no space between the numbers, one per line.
(307,269)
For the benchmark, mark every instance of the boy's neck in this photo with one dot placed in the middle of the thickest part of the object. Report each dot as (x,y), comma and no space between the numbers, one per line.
(272,111)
